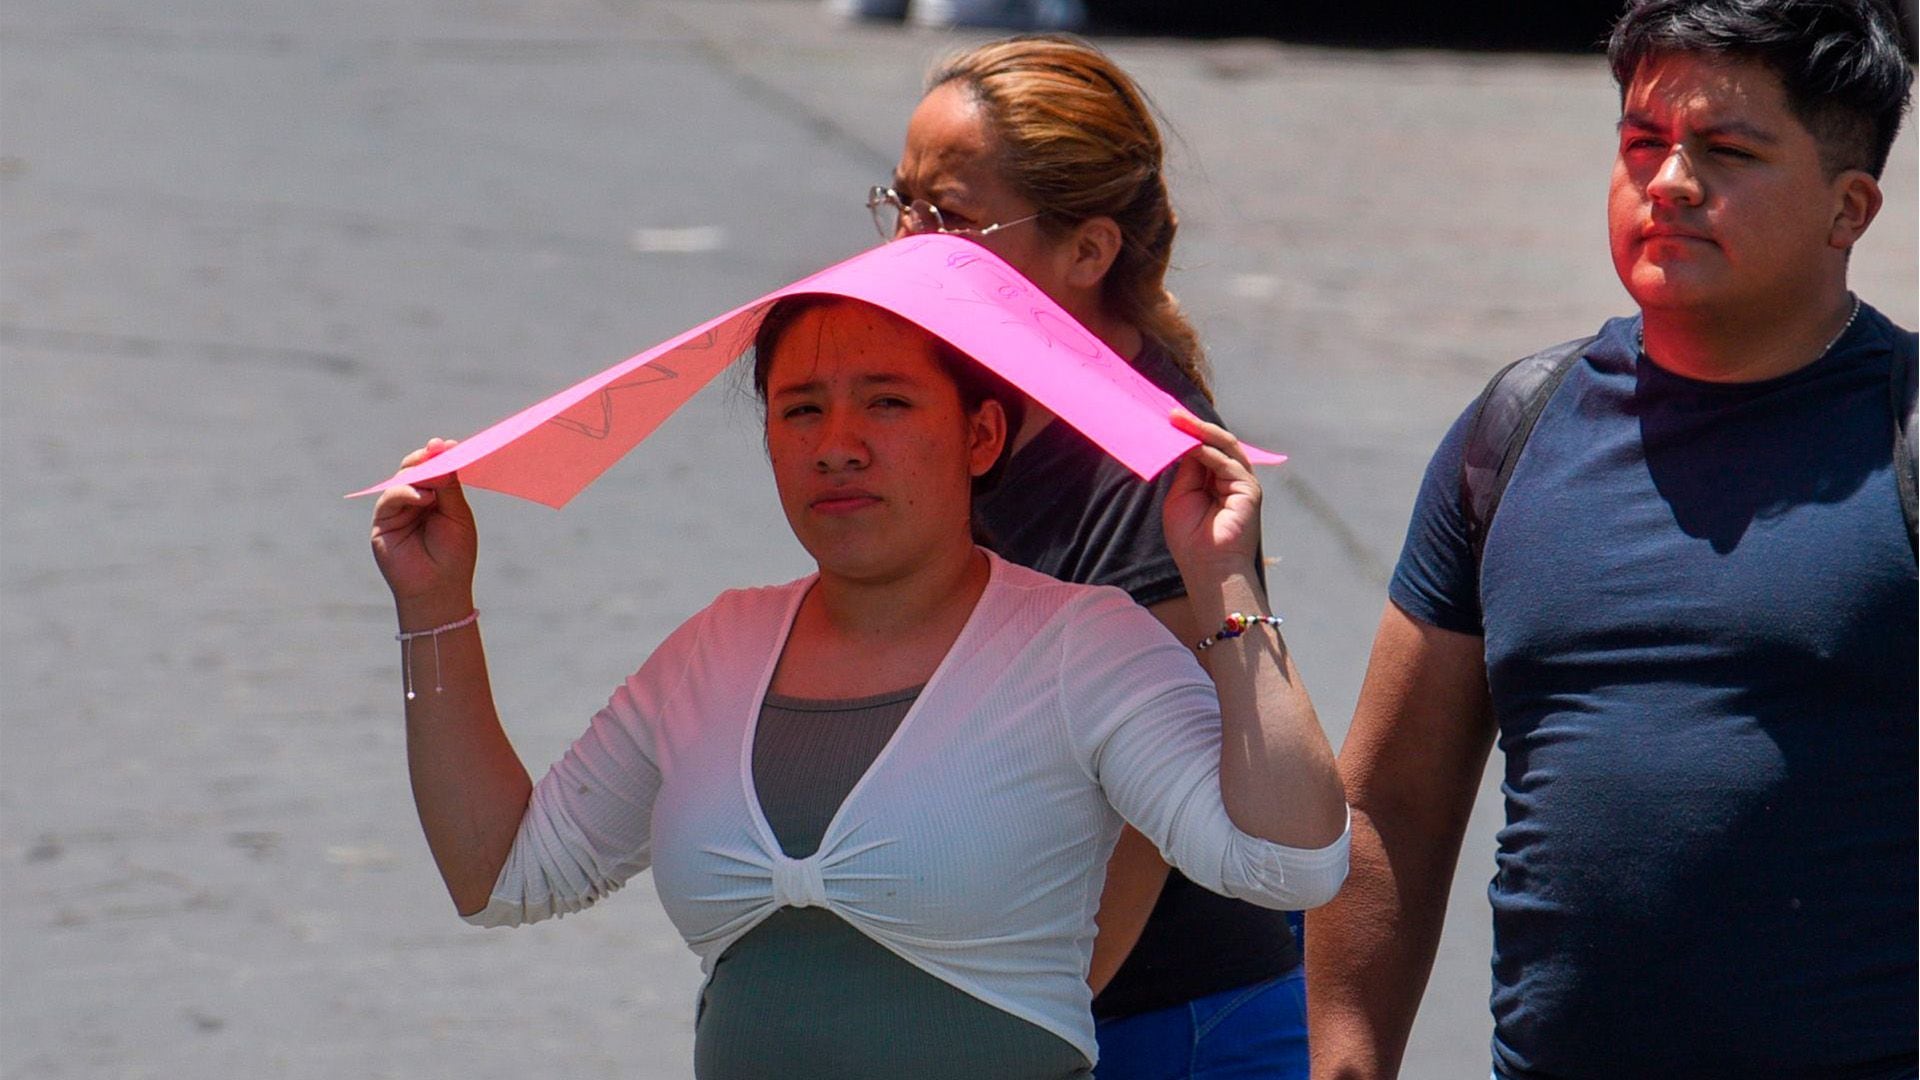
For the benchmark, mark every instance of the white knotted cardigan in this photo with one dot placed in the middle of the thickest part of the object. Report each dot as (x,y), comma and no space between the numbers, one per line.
(976,844)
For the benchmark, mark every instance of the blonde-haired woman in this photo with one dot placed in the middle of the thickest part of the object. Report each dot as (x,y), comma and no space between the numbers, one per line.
(1044,150)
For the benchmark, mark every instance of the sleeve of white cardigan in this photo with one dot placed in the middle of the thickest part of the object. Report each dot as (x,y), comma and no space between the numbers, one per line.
(588,827)
(1145,723)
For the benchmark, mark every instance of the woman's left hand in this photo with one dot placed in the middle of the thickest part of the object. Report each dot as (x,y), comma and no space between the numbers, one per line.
(1212,514)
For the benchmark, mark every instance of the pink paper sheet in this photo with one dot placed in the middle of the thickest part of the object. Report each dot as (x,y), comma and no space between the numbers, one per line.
(951,287)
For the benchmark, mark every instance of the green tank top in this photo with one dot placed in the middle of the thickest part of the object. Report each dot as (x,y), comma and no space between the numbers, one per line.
(805,994)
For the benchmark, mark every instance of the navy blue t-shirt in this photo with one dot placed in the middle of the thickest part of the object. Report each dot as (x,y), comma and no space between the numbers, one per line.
(1698,604)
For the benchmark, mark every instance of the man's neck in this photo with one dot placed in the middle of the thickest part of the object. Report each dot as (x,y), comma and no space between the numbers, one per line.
(1745,346)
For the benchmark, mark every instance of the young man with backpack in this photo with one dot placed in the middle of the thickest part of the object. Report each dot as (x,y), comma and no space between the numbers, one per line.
(1671,568)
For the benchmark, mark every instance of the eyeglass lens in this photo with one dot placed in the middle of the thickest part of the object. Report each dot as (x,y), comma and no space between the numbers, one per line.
(893,219)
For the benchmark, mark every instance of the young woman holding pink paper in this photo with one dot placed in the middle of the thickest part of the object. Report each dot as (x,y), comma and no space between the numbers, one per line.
(1045,151)
(877,801)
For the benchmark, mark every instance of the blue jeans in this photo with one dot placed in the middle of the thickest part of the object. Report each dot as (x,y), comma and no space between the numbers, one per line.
(1239,1034)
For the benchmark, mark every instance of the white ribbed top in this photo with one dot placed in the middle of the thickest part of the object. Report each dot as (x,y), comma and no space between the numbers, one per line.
(976,844)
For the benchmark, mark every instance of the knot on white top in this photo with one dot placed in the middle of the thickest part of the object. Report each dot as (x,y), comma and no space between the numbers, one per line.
(797,882)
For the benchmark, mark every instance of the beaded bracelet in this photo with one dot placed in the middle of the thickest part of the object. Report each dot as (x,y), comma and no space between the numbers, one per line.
(1236,625)
(405,638)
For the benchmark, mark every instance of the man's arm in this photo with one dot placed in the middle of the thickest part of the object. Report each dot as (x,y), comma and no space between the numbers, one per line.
(1412,764)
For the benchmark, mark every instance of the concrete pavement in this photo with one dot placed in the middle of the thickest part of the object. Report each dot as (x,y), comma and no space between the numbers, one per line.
(251,253)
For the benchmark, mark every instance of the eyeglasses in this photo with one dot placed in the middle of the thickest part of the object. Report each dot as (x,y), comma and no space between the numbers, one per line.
(896,218)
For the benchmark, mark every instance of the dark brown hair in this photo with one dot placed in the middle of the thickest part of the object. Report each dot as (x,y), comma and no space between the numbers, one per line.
(1843,64)
(976,384)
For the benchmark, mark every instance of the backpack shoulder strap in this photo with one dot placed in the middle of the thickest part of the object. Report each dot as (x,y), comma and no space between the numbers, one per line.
(1502,421)
(1901,387)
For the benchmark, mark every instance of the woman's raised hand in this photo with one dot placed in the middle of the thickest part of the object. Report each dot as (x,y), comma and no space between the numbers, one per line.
(1212,514)
(424,538)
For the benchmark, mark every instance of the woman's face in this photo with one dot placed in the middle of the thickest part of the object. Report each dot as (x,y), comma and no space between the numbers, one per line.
(873,453)
(951,160)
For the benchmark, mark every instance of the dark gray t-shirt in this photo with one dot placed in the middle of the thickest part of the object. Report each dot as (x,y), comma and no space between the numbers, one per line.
(804,993)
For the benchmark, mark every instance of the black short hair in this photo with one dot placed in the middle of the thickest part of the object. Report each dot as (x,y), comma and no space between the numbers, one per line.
(975,381)
(1846,65)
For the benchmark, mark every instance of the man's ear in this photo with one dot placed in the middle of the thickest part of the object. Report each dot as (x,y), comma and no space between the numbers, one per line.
(1092,249)
(987,433)
(1856,202)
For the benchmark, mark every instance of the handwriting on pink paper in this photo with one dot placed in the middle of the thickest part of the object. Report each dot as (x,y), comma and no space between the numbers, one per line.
(951,287)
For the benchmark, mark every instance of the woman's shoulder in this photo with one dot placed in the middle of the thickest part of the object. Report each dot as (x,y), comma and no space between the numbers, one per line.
(1014,585)
(752,597)
(1097,633)
(740,610)
(1160,368)
(1025,584)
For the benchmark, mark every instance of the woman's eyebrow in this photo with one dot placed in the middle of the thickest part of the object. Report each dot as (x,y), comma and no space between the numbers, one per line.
(940,192)
(791,389)
(813,386)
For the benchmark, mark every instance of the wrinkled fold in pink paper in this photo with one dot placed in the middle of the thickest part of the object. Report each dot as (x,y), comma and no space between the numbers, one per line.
(953,288)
